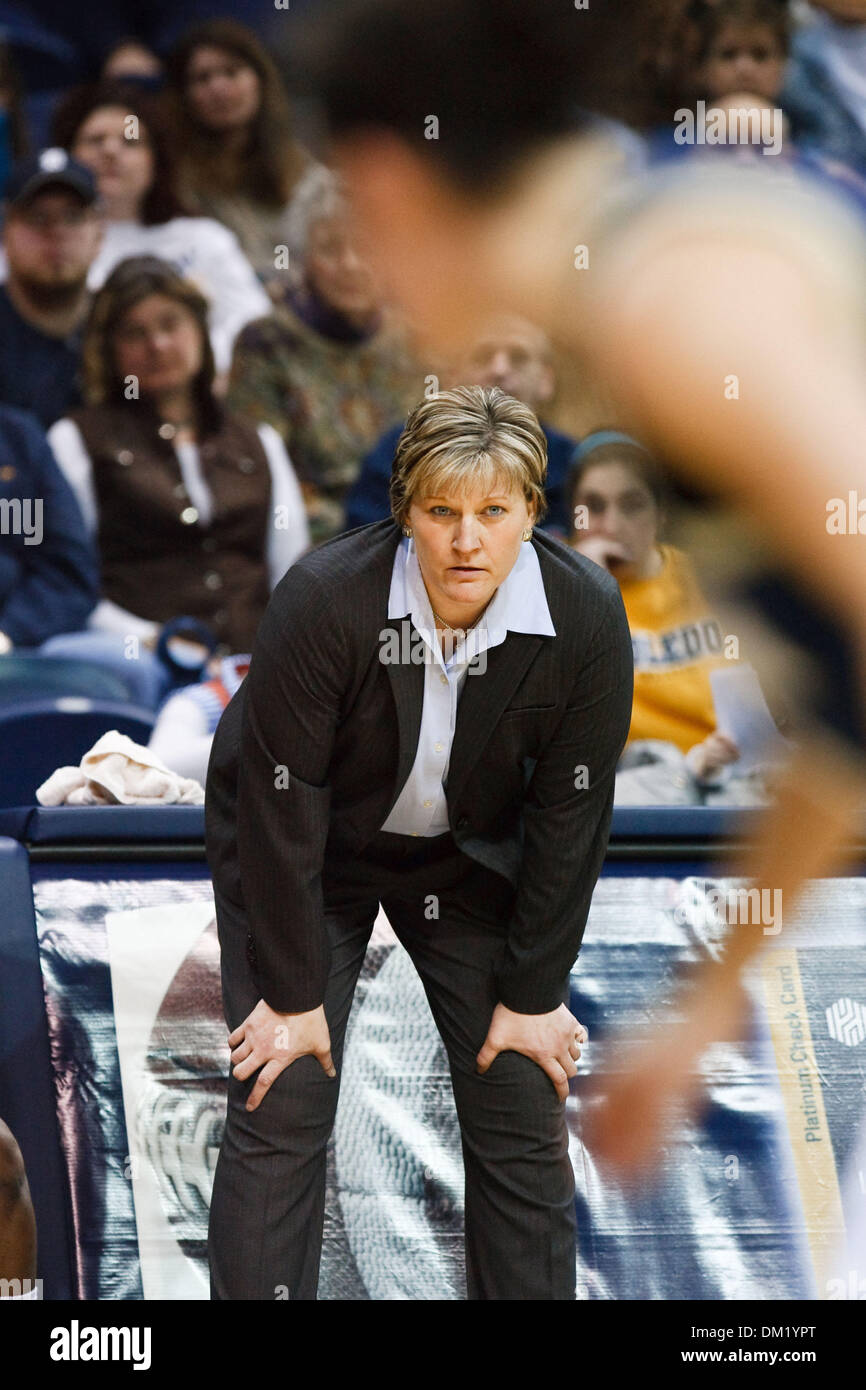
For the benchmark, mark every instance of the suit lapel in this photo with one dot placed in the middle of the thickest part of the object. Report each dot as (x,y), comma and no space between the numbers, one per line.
(482,701)
(484,696)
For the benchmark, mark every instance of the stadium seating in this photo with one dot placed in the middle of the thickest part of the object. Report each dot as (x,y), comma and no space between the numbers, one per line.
(38,736)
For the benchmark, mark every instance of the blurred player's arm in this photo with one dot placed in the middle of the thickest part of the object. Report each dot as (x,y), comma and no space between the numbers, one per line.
(683,298)
(694,312)
(742,360)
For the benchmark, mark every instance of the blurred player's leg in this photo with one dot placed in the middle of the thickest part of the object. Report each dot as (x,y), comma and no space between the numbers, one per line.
(803,835)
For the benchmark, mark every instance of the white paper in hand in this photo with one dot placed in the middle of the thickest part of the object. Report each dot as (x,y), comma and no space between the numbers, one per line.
(742,713)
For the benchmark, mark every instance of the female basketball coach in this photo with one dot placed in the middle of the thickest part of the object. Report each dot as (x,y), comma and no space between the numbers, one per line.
(432,720)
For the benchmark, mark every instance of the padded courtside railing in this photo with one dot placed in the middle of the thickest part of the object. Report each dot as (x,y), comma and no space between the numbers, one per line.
(122,842)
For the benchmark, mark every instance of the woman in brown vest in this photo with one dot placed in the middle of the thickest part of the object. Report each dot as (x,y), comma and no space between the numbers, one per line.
(197,512)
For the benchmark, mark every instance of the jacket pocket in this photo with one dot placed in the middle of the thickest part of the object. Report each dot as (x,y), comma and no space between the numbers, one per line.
(526,709)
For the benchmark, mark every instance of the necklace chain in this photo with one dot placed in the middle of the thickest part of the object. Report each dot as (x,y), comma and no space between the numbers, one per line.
(457,629)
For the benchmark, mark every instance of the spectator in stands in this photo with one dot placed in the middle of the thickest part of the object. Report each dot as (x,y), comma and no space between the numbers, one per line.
(745,46)
(198,512)
(118,134)
(617,504)
(49,575)
(330,369)
(514,355)
(183,733)
(733,57)
(825,93)
(131,61)
(753,124)
(14,141)
(742,46)
(51,236)
(87,32)
(239,159)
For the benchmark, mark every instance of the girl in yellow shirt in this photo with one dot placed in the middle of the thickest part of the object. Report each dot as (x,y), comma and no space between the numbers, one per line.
(617,509)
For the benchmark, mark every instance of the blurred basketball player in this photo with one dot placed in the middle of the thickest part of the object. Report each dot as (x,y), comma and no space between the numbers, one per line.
(724,306)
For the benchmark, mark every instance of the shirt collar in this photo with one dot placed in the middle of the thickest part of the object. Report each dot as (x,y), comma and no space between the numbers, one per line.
(519,604)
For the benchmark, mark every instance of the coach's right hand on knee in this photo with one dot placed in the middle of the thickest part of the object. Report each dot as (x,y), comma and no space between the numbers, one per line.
(273,1041)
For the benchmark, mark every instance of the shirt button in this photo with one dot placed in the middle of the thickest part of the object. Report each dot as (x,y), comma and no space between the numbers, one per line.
(416,833)
(125,457)
(444,680)
(438,747)
(180,490)
(221,615)
(246,465)
(428,803)
(189,516)
(166,431)
(213,580)
(209,544)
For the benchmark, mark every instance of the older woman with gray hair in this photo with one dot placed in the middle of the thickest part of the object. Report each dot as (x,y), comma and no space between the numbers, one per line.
(432,720)
(330,369)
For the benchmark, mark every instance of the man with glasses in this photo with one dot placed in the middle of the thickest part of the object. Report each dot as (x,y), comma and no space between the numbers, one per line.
(509,352)
(51,235)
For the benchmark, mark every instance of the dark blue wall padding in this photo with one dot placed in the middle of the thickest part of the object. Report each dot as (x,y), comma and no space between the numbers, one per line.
(46,825)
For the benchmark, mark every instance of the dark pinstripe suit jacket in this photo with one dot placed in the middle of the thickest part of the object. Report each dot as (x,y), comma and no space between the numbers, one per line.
(313,750)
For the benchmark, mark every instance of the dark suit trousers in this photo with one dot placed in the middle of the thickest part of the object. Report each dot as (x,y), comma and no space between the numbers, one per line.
(267,1209)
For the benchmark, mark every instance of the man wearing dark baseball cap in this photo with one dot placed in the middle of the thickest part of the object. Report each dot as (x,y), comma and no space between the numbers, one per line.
(52,168)
(51,235)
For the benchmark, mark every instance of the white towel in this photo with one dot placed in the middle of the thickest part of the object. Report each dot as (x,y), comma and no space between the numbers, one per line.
(118,772)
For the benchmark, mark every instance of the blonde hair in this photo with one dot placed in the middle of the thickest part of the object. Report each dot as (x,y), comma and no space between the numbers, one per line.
(469,437)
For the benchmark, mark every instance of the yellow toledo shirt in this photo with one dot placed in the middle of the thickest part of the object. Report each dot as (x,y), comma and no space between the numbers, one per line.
(676,643)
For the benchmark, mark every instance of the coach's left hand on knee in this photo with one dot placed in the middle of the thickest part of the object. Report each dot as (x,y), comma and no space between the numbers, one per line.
(552,1040)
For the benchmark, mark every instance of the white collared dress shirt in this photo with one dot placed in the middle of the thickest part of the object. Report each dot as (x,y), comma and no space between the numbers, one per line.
(518,605)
